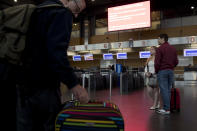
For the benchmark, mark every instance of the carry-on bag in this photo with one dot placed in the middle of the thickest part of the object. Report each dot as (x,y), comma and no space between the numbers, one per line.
(94,116)
(175,99)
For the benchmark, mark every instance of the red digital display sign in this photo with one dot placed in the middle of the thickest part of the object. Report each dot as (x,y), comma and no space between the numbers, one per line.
(130,16)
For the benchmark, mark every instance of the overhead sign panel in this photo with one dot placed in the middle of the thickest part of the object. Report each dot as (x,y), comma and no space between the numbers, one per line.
(190,52)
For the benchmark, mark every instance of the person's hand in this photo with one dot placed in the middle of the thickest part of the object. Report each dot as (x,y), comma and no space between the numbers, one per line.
(80,94)
(82,4)
(148,74)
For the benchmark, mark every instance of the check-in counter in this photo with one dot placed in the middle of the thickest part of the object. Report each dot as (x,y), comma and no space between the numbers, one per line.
(190,74)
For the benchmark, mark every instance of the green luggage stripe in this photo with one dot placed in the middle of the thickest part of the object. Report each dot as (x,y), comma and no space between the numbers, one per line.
(58,125)
(91,105)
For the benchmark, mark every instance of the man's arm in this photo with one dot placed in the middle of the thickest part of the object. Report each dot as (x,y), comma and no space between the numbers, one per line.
(58,37)
(157,60)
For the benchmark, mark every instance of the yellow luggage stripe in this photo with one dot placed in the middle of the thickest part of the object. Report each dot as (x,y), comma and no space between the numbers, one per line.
(90,121)
(93,125)
(97,111)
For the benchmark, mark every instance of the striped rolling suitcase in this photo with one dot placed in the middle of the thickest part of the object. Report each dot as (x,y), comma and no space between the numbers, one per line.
(94,116)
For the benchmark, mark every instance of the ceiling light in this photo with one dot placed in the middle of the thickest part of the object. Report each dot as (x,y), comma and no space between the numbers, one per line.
(192,7)
(71,53)
(85,51)
(96,52)
(93,0)
(91,52)
(193,45)
(121,50)
(15,0)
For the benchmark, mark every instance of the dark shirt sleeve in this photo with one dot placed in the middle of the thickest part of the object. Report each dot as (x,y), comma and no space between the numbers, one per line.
(58,38)
(157,60)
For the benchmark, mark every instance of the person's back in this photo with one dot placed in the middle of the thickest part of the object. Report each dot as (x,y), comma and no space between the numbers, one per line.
(46,47)
(168,56)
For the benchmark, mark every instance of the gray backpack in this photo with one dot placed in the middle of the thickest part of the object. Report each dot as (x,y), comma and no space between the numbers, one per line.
(14,23)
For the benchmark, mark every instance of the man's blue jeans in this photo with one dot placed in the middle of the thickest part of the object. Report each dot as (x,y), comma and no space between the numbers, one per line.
(165,80)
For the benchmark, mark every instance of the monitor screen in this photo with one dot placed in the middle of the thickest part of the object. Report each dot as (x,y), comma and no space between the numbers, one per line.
(144,54)
(108,56)
(190,52)
(129,16)
(121,55)
(88,57)
(77,58)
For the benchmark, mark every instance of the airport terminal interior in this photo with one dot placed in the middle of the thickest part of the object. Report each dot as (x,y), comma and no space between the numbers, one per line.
(110,44)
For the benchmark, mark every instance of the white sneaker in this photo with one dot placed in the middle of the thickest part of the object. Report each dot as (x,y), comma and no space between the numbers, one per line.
(157,107)
(163,112)
(152,108)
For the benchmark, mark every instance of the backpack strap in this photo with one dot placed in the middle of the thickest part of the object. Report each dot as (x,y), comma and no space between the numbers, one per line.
(2,16)
(50,5)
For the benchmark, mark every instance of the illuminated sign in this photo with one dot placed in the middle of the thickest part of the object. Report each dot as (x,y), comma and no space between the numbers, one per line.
(190,52)
(77,58)
(121,55)
(88,57)
(130,16)
(144,54)
(107,56)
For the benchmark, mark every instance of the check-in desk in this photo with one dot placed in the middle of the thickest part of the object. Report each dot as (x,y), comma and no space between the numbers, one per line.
(190,75)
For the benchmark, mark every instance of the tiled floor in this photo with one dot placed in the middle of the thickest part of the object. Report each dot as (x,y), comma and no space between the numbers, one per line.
(138,117)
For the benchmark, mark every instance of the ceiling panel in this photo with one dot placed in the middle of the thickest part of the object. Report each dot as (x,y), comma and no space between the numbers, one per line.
(98,7)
